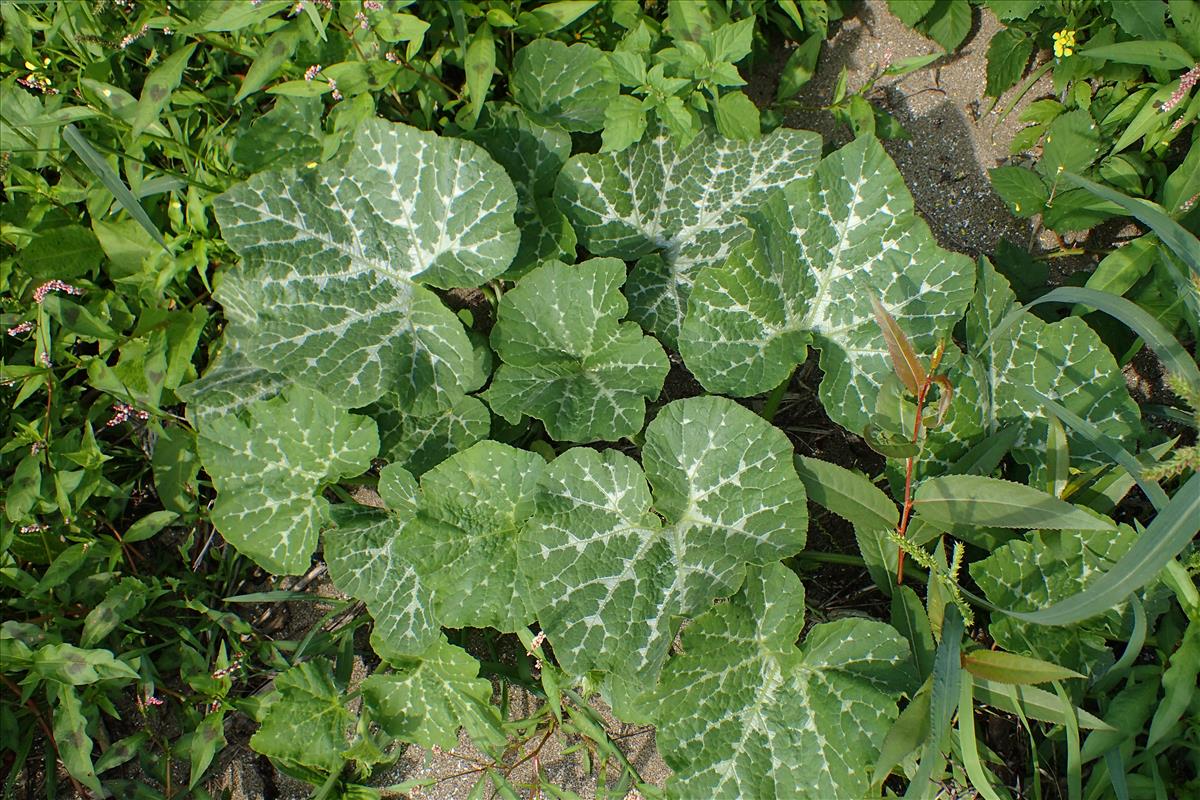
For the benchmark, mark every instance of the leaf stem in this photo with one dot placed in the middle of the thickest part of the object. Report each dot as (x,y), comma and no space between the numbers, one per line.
(909,462)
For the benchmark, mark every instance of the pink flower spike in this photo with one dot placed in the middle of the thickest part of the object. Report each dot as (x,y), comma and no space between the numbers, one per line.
(24,327)
(1186,83)
(372,5)
(39,294)
(311,72)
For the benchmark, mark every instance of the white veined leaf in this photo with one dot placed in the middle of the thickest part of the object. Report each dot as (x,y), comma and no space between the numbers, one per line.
(614,556)
(269,464)
(745,713)
(568,86)
(569,360)
(230,384)
(331,289)
(443,555)
(1065,360)
(823,249)
(677,209)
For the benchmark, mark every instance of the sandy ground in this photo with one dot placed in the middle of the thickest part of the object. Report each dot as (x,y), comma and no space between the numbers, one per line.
(955,140)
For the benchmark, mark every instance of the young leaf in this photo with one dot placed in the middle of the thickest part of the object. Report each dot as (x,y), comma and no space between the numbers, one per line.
(823,248)
(429,697)
(328,293)
(479,66)
(781,721)
(677,209)
(905,363)
(1072,143)
(971,500)
(1002,667)
(306,724)
(568,360)
(737,116)
(1179,684)
(1021,189)
(561,85)
(611,567)
(269,466)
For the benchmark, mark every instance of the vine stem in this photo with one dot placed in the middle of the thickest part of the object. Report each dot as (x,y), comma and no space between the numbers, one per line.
(911,461)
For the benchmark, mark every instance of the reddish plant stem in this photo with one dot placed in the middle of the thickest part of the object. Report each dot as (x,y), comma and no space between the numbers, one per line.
(902,528)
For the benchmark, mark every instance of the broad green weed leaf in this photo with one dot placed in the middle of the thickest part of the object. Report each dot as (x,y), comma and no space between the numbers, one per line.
(1002,667)
(848,494)
(953,500)
(306,724)
(1064,360)
(269,465)
(744,713)
(568,360)
(1043,568)
(611,566)
(428,698)
(565,86)
(822,250)
(72,742)
(329,292)
(445,554)
(677,209)
(532,154)
(157,89)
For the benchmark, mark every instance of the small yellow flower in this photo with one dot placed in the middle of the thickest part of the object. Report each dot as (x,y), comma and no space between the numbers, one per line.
(1064,43)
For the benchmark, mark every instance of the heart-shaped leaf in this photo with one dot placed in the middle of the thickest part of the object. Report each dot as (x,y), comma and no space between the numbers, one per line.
(569,360)
(677,208)
(611,566)
(330,290)
(744,713)
(269,465)
(823,249)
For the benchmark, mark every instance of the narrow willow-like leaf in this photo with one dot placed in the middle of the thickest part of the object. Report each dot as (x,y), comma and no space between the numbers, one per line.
(1171,531)
(947,675)
(966,740)
(847,494)
(907,366)
(331,289)
(1034,702)
(269,466)
(611,567)
(979,500)
(1002,667)
(569,360)
(676,208)
(1179,684)
(776,721)
(824,250)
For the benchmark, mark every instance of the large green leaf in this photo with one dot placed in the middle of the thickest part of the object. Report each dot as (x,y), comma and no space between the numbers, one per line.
(443,555)
(1065,360)
(821,252)
(744,713)
(677,209)
(611,566)
(230,384)
(306,724)
(329,292)
(427,699)
(569,360)
(269,464)
(1046,567)
(533,155)
(565,86)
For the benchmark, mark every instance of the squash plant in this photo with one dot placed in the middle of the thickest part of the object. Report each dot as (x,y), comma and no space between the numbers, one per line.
(746,253)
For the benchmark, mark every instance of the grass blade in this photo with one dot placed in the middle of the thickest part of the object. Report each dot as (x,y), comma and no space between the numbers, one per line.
(1170,532)
(96,163)
(1173,235)
(967,744)
(1174,357)
(1074,763)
